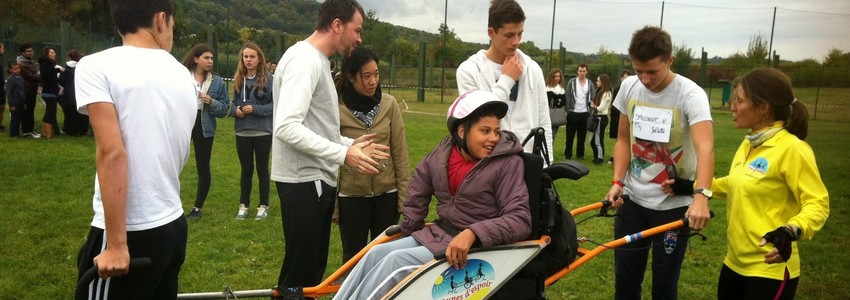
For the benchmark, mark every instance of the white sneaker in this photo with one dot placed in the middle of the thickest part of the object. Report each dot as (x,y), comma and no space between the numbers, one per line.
(262,212)
(242,213)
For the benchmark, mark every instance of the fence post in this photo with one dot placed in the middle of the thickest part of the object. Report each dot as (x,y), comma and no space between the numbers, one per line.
(420,93)
(703,68)
(392,73)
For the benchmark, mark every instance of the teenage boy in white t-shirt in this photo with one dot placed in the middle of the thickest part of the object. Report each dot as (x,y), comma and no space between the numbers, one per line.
(141,102)
(665,136)
(510,74)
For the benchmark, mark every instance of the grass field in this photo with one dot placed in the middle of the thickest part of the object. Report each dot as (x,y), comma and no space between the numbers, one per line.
(47,185)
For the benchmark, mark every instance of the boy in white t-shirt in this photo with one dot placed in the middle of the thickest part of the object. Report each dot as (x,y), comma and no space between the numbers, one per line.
(665,137)
(141,102)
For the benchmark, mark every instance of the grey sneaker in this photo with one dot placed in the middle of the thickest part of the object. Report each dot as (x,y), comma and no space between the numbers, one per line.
(262,212)
(242,213)
(195,213)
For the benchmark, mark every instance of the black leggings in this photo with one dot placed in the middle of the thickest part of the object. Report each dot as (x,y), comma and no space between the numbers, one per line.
(362,219)
(247,147)
(732,285)
(203,153)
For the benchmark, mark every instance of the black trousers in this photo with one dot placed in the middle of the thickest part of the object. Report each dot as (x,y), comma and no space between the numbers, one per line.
(668,251)
(615,123)
(15,122)
(306,220)
(597,139)
(248,148)
(28,114)
(733,286)
(75,122)
(203,153)
(164,245)
(362,219)
(576,127)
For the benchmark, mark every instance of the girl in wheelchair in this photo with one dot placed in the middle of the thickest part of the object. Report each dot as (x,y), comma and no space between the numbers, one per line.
(482,200)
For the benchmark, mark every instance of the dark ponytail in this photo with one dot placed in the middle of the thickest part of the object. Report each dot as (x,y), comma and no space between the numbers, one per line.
(798,122)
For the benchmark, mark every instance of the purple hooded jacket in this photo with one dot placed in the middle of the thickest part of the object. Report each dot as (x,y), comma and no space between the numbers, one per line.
(492,201)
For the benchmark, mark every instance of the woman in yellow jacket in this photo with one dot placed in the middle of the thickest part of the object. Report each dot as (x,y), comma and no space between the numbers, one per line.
(368,204)
(775,195)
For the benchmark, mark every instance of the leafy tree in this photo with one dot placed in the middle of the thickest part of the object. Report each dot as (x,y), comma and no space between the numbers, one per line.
(757,51)
(447,48)
(684,55)
(837,58)
(405,51)
(607,56)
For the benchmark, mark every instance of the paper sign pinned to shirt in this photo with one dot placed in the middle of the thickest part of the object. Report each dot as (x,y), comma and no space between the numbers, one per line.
(652,124)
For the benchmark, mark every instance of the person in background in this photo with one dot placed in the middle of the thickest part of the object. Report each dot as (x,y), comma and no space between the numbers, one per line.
(368,204)
(774,192)
(602,104)
(509,73)
(50,90)
(212,103)
(14,91)
(76,124)
(252,107)
(482,200)
(557,98)
(141,102)
(665,133)
(615,113)
(2,90)
(32,77)
(580,93)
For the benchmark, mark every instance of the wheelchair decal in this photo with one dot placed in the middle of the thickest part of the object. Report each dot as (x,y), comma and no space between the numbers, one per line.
(472,282)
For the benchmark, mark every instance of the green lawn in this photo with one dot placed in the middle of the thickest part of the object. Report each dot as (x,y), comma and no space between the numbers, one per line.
(47,187)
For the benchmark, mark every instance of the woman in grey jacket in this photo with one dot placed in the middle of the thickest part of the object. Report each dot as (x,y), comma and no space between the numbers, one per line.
(481,199)
(252,106)
(212,103)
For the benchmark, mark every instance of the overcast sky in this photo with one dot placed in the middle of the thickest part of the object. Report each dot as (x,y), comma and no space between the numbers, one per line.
(804,28)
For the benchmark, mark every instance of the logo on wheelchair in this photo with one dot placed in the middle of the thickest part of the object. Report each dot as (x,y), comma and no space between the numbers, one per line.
(472,282)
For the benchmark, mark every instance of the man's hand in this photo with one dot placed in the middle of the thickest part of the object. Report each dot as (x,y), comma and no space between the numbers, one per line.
(698,213)
(678,186)
(113,262)
(781,239)
(512,67)
(459,248)
(614,196)
(362,156)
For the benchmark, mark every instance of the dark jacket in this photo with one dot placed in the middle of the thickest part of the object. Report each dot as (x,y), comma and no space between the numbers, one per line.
(66,79)
(29,73)
(49,76)
(492,201)
(15,90)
